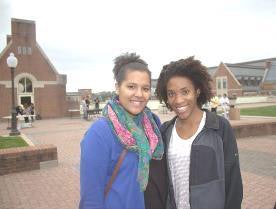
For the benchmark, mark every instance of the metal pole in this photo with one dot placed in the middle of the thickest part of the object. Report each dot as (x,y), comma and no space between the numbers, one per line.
(14,131)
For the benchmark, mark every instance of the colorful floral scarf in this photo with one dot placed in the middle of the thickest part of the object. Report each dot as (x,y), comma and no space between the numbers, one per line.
(139,134)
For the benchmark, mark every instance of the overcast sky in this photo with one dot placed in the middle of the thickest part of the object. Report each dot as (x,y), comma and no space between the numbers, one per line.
(82,37)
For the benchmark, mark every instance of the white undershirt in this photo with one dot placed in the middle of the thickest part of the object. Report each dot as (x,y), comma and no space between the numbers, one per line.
(179,163)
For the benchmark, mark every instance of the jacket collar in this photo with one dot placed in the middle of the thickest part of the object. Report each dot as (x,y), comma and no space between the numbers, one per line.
(212,122)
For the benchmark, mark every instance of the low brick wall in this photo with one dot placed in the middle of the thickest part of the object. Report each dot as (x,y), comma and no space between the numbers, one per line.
(27,158)
(256,129)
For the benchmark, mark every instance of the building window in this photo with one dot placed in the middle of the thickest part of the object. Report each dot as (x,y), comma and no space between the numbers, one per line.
(29,50)
(24,50)
(25,85)
(221,82)
(224,82)
(221,85)
(19,49)
(218,84)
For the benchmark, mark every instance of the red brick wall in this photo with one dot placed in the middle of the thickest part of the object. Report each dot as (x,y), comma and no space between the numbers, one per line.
(5,101)
(25,158)
(269,86)
(257,129)
(51,101)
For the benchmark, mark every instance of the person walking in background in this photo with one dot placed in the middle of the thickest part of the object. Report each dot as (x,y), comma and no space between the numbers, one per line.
(84,109)
(19,110)
(214,103)
(224,102)
(87,102)
(32,111)
(126,138)
(97,105)
(27,112)
(201,149)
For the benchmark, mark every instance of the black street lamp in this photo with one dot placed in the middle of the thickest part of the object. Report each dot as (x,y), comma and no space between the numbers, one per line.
(12,63)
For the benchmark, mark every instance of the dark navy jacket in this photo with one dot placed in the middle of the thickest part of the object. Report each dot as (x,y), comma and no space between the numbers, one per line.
(215,178)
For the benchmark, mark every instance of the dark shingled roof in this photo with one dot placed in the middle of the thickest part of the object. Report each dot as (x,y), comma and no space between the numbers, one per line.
(260,63)
(239,70)
(212,70)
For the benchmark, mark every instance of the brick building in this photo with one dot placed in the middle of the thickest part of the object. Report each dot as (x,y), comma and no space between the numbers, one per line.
(245,78)
(36,79)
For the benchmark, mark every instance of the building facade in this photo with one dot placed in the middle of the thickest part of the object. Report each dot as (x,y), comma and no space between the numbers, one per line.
(36,79)
(246,78)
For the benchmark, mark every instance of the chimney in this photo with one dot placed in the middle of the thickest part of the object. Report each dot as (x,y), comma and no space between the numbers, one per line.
(268,64)
(23,30)
(8,39)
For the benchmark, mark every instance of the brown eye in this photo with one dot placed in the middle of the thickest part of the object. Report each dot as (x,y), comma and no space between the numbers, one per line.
(185,92)
(131,86)
(146,89)
(170,94)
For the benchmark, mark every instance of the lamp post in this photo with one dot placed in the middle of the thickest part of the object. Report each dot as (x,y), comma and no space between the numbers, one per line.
(12,63)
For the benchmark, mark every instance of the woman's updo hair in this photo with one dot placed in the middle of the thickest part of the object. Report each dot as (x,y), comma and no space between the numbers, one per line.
(128,62)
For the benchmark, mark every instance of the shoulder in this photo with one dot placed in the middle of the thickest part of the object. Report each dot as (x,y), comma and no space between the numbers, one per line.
(156,119)
(100,127)
(98,131)
(167,124)
(99,124)
(223,122)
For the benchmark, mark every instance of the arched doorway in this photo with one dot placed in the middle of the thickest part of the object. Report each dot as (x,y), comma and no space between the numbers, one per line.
(25,91)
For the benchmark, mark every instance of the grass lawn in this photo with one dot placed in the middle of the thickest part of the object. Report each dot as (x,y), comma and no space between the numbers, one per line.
(269,111)
(12,141)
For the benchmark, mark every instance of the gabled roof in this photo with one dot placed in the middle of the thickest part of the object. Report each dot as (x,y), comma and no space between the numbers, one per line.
(231,73)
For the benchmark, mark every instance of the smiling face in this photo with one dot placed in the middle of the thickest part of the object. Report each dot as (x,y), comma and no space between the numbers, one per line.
(134,91)
(182,97)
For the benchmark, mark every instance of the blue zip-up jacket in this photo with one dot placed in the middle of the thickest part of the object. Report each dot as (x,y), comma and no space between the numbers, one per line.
(100,151)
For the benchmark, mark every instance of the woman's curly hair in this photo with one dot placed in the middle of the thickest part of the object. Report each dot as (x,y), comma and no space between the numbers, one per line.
(191,69)
(128,61)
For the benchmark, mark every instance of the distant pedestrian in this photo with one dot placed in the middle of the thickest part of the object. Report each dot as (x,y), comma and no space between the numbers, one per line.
(224,102)
(19,110)
(97,105)
(214,102)
(87,101)
(26,112)
(84,109)
(32,111)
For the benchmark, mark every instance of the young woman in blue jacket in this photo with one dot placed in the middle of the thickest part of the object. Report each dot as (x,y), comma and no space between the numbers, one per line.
(200,147)
(127,124)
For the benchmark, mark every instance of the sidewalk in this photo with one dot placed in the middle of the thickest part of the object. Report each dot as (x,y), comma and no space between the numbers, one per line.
(58,187)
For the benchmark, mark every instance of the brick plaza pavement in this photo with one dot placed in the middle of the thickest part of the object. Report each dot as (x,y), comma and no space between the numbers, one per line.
(58,187)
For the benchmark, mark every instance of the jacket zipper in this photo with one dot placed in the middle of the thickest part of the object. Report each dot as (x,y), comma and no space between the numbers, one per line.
(195,140)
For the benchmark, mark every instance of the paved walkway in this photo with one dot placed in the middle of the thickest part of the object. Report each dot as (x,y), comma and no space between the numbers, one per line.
(58,187)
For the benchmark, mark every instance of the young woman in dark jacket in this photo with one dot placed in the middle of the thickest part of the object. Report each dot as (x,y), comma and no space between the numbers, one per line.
(201,152)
